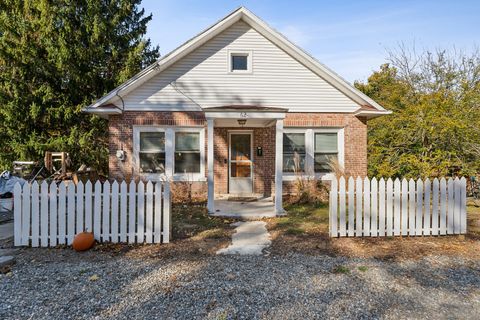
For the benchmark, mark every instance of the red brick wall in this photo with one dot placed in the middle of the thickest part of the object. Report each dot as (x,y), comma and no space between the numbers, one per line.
(121,136)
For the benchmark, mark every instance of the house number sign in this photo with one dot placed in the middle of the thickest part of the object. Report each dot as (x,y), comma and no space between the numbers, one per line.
(243,115)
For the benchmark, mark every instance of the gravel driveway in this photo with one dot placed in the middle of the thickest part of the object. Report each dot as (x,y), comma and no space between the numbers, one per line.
(60,284)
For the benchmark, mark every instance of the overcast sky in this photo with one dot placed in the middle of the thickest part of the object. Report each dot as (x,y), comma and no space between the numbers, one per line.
(351,37)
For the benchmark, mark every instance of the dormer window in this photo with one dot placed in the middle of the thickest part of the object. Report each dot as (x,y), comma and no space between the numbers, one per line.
(240,62)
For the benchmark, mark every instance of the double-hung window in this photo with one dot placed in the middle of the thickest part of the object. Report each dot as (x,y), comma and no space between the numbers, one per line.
(187,152)
(294,152)
(152,152)
(325,152)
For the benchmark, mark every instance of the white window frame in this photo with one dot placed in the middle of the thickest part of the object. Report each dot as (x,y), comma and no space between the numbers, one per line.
(169,153)
(310,152)
(248,53)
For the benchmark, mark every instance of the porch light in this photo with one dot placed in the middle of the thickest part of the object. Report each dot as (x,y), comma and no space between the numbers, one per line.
(242,122)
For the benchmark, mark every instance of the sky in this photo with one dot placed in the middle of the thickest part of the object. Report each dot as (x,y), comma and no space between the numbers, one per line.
(351,37)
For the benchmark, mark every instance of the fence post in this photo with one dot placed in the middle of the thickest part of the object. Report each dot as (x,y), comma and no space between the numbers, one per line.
(17,214)
(166,212)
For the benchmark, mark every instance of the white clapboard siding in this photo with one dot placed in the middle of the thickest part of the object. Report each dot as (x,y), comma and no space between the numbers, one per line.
(48,215)
(407,208)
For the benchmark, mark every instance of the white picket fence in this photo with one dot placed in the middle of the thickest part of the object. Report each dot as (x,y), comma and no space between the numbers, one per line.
(53,214)
(371,208)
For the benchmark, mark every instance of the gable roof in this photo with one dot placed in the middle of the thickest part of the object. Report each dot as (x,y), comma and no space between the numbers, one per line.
(368,107)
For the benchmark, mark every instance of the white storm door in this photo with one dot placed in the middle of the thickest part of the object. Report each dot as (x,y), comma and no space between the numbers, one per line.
(240,166)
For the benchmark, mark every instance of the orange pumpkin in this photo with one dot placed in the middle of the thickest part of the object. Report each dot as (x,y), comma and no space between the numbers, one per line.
(83,241)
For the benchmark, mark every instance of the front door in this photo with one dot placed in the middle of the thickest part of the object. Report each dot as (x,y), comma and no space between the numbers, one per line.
(240,163)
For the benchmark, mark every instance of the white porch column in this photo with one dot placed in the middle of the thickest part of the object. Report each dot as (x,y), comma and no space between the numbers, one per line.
(211,189)
(278,166)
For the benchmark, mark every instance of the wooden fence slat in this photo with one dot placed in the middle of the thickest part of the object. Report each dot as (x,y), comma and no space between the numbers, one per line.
(366,207)
(463,205)
(427,207)
(435,189)
(114,212)
(80,227)
(389,207)
(35,215)
(351,207)
(397,207)
(411,207)
(132,205)
(62,213)
(419,209)
(166,213)
(149,213)
(53,214)
(443,206)
(158,213)
(97,212)
(404,217)
(106,233)
(70,213)
(141,212)
(374,208)
(333,208)
(88,207)
(44,214)
(450,206)
(342,205)
(26,214)
(381,207)
(17,214)
(457,207)
(123,211)
(359,206)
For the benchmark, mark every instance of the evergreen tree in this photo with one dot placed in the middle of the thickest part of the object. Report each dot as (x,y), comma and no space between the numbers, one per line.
(56,57)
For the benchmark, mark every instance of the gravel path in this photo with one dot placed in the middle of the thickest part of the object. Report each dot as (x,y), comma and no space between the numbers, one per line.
(59,284)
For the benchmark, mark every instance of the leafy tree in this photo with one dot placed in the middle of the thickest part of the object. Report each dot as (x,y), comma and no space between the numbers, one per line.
(434,129)
(56,57)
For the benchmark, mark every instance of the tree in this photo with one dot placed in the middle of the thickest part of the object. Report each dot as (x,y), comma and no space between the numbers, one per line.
(56,57)
(434,129)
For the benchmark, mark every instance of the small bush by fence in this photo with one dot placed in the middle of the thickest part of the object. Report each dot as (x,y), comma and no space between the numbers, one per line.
(53,214)
(370,208)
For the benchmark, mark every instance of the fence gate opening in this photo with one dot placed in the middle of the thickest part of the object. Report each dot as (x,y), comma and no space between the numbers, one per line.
(371,208)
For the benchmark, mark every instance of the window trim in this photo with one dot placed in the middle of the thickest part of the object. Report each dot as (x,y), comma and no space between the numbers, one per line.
(310,152)
(169,153)
(248,53)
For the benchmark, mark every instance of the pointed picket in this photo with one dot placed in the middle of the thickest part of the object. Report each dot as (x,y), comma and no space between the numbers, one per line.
(26,213)
(450,206)
(149,213)
(389,208)
(411,207)
(341,195)
(106,233)
(419,209)
(457,206)
(62,213)
(381,207)
(88,207)
(443,206)
(359,208)
(427,205)
(80,226)
(97,211)
(35,215)
(17,214)
(114,212)
(333,208)
(351,207)
(123,211)
(53,214)
(158,213)
(141,212)
(374,208)
(463,205)
(397,207)
(70,213)
(404,215)
(435,215)
(167,202)
(366,207)
(132,208)
(44,214)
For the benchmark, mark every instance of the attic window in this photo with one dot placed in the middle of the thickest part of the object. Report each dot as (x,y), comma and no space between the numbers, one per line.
(240,62)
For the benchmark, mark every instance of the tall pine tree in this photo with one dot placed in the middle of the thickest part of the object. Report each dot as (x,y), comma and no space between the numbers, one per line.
(56,57)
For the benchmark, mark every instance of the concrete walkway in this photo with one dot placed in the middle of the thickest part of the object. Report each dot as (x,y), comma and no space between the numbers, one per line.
(262,208)
(250,237)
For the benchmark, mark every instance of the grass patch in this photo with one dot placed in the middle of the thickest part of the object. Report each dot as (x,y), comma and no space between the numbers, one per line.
(341,269)
(363,268)
(194,221)
(303,219)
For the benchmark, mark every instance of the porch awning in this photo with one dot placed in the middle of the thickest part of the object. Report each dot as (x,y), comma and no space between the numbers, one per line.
(244,116)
